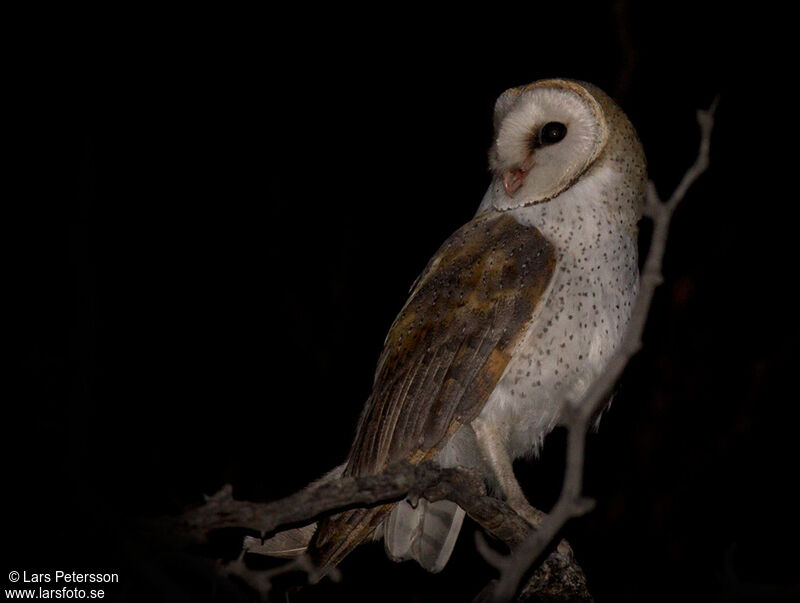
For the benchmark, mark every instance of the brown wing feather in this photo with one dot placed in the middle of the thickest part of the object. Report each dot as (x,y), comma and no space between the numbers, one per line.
(443,356)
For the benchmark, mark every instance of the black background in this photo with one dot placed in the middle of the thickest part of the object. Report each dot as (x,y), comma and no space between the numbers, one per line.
(216,217)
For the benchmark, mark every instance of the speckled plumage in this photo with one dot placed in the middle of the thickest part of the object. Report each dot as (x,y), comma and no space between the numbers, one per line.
(519,310)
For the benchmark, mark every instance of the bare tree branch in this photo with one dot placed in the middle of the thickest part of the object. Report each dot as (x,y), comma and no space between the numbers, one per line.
(578,415)
(402,481)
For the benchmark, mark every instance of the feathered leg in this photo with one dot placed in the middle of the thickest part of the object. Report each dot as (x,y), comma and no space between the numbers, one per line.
(496,456)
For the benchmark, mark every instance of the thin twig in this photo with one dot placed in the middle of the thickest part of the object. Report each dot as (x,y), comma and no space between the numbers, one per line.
(261,580)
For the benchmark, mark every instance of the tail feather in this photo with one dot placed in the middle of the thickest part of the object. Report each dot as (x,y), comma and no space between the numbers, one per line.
(289,543)
(338,535)
(427,533)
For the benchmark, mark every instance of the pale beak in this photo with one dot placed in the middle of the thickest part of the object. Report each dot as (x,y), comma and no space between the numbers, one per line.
(514,178)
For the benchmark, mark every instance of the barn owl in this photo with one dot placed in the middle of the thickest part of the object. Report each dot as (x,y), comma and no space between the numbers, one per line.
(518,311)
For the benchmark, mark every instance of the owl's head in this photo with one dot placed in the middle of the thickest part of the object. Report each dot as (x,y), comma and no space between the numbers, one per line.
(552,133)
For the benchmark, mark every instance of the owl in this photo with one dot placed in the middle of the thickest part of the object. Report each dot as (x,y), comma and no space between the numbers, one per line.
(518,311)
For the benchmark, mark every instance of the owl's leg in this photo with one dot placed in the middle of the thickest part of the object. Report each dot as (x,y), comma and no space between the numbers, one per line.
(496,456)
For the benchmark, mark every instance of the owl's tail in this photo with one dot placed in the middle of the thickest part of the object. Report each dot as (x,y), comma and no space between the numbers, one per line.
(339,534)
(426,533)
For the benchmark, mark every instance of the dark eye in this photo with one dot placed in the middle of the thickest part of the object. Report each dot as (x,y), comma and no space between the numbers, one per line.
(553,132)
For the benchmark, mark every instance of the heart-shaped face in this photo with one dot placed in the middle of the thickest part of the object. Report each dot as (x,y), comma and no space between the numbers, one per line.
(546,136)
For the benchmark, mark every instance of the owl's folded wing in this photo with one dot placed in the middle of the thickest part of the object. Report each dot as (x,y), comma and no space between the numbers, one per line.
(443,356)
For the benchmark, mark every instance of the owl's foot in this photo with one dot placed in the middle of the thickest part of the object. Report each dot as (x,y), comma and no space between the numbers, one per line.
(524,509)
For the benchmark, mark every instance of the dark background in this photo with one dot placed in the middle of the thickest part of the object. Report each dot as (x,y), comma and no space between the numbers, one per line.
(217,217)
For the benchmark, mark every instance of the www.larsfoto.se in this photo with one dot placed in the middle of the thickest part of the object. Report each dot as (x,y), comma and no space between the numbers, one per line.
(65,592)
